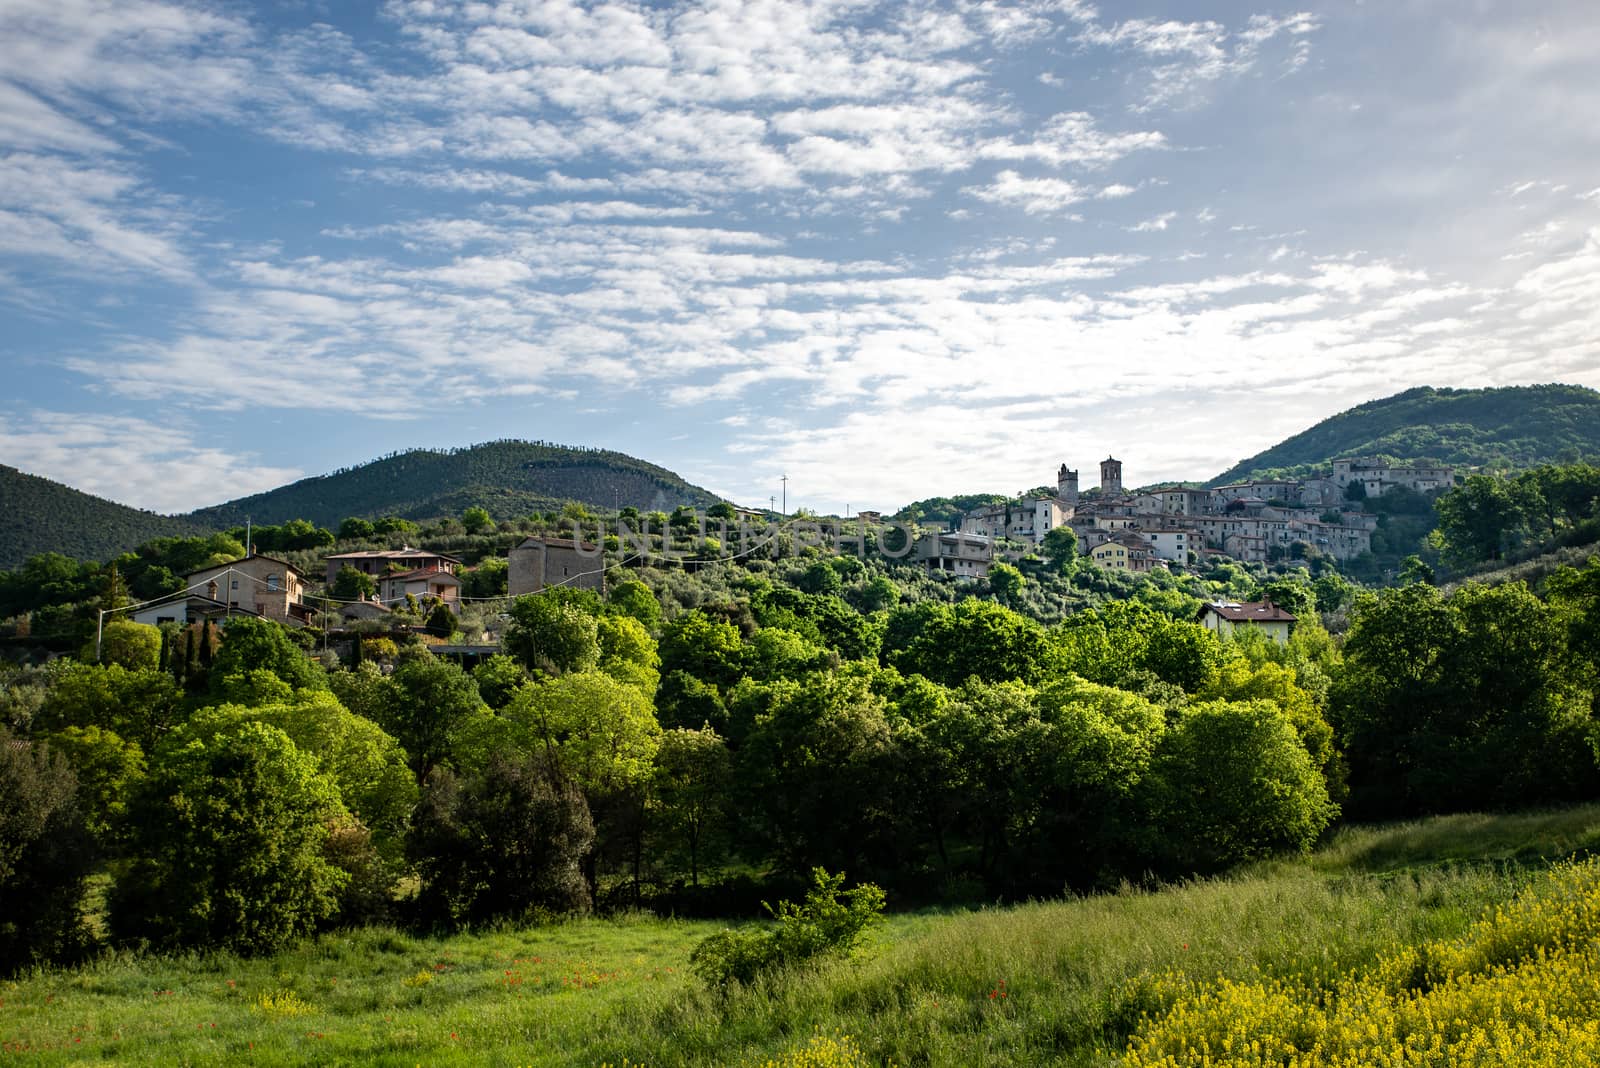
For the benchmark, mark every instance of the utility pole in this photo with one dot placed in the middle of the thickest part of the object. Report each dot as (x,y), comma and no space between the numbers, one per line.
(785,481)
(772,501)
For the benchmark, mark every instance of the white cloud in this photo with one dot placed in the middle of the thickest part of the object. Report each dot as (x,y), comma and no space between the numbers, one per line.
(1036,196)
(1154,223)
(704,202)
(133,460)
(1189,56)
(86,217)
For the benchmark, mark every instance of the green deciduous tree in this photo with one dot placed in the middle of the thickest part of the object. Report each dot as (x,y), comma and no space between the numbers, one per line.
(628,653)
(690,791)
(973,639)
(1007,582)
(353,585)
(366,764)
(505,841)
(878,594)
(1481,519)
(1455,703)
(260,644)
(355,529)
(708,649)
(45,855)
(488,579)
(431,700)
(596,731)
(551,635)
(135,646)
(633,598)
(137,705)
(812,772)
(108,770)
(1231,781)
(229,831)
(1060,547)
(499,678)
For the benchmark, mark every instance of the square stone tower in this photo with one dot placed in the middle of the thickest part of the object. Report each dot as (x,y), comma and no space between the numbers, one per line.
(1110,476)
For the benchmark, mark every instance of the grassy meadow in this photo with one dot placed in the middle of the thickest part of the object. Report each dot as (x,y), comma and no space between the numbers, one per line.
(1067,982)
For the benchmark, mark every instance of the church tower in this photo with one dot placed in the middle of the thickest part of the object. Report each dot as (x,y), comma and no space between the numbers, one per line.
(1067,485)
(1110,476)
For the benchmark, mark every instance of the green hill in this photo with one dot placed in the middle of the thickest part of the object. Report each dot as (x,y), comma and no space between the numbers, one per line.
(42,516)
(1508,428)
(508,478)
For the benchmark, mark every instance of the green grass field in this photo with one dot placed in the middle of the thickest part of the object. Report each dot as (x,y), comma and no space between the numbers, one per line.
(1047,983)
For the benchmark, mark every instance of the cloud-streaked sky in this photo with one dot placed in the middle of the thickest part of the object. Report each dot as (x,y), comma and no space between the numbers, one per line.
(892,249)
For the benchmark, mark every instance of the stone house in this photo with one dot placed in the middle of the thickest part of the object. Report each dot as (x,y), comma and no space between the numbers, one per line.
(261,585)
(954,553)
(1250,548)
(1377,477)
(541,562)
(422,583)
(1028,520)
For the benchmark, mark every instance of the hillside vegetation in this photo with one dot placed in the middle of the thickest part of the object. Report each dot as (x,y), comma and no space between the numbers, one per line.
(508,478)
(1508,428)
(41,516)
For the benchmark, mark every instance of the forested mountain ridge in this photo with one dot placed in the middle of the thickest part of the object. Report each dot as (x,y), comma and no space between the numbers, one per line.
(1504,428)
(506,477)
(40,516)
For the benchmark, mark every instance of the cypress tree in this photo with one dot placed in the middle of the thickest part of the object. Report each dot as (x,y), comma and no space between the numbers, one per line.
(191,658)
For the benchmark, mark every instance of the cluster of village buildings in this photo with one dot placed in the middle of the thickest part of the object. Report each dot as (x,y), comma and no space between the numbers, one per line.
(1153,528)
(267,586)
(1116,529)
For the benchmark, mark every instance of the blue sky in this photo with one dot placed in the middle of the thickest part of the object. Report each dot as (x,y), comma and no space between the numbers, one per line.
(890,249)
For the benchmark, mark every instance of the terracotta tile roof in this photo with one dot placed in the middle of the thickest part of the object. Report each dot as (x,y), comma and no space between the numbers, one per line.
(422,572)
(246,559)
(1248,612)
(392,554)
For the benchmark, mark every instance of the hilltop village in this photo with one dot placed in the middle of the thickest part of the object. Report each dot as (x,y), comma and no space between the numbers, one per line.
(1251,521)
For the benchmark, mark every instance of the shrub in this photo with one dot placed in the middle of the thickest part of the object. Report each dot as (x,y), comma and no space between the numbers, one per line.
(832,922)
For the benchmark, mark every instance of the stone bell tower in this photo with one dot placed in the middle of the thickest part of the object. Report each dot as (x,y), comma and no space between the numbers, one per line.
(1110,476)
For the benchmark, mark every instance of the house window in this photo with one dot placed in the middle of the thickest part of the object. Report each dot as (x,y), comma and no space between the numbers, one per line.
(233,585)
(272,583)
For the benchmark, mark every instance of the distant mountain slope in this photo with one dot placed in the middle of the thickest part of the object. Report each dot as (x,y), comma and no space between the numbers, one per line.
(506,477)
(41,516)
(1509,427)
